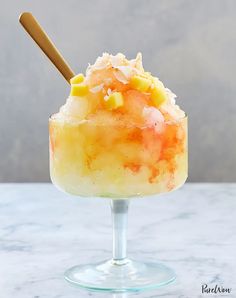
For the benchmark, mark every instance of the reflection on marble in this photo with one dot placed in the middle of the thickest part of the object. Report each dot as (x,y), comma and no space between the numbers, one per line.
(43,232)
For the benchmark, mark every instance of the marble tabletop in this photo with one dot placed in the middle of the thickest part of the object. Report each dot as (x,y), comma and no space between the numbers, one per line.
(43,232)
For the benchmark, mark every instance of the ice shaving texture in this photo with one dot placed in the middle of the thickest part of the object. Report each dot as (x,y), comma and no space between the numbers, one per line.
(119,134)
(121,88)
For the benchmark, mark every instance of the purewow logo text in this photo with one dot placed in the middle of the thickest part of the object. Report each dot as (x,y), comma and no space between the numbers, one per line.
(215,290)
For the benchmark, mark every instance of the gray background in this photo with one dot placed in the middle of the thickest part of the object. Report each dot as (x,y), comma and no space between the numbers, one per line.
(189,44)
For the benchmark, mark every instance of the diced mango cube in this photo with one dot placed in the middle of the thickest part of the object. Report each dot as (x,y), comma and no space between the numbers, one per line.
(158,96)
(79,78)
(79,90)
(140,83)
(114,101)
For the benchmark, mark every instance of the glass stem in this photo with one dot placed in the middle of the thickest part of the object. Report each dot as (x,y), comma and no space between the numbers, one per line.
(119,209)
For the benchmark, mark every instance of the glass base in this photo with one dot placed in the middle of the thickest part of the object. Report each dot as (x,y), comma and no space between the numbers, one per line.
(120,276)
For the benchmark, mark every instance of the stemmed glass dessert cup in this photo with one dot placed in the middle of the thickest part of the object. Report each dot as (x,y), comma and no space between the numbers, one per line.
(115,157)
(118,161)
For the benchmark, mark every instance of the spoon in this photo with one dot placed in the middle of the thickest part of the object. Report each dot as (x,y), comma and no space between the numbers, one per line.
(37,33)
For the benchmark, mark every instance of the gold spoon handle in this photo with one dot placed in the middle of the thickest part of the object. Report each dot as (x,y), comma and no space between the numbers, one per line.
(31,25)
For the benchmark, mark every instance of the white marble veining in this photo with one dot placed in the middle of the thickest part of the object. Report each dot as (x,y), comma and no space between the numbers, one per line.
(43,232)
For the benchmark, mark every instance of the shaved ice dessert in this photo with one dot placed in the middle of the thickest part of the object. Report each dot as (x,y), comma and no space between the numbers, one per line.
(119,134)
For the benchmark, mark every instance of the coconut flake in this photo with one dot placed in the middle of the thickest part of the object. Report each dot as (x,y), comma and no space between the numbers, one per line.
(127,71)
(88,71)
(117,60)
(102,62)
(124,73)
(120,76)
(97,88)
(137,62)
(171,96)
(109,92)
(123,69)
